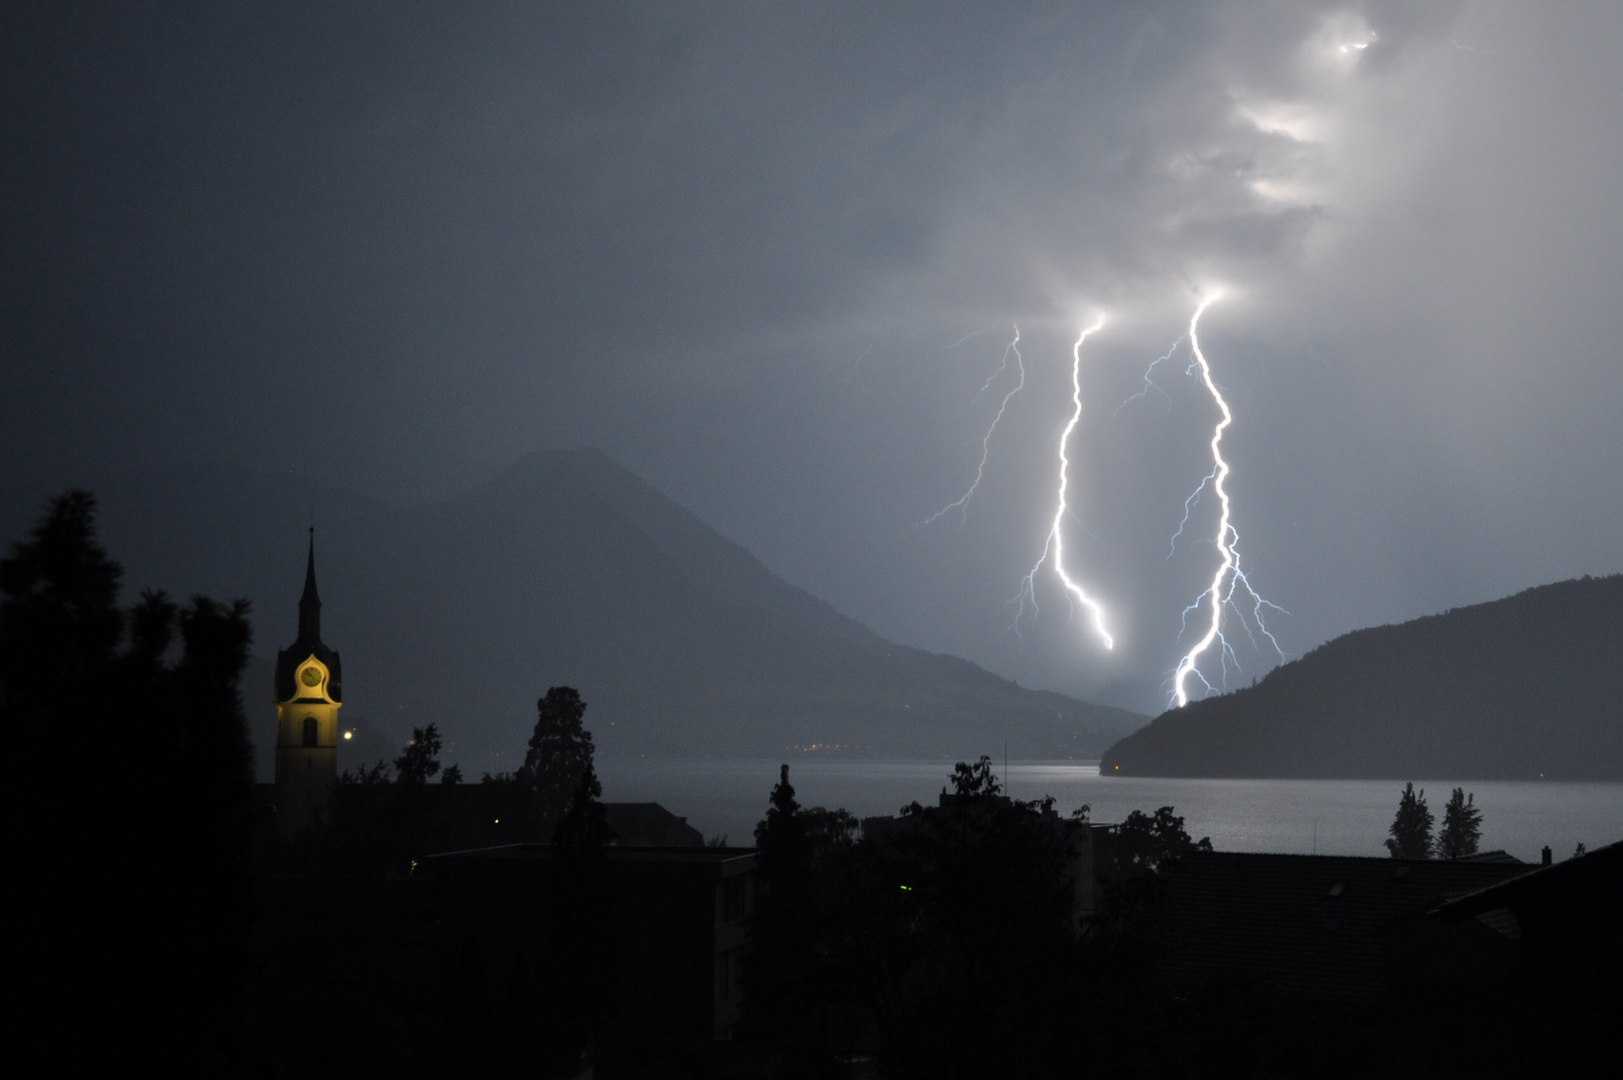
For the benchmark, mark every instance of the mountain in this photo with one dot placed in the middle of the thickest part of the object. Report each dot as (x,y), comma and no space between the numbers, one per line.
(565,570)
(1526,687)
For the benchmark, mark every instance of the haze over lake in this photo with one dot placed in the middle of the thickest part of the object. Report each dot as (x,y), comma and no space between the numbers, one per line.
(1333,817)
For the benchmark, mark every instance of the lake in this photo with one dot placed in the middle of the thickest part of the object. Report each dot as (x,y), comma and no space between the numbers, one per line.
(1331,817)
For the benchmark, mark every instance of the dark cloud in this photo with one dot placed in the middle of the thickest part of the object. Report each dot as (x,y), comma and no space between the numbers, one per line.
(731,245)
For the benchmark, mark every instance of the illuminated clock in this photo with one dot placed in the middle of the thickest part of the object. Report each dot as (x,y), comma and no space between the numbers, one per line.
(310,676)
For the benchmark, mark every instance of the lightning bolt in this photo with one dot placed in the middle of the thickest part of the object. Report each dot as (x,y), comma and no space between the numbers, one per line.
(971,336)
(1188,504)
(1228,568)
(1149,383)
(1055,541)
(962,502)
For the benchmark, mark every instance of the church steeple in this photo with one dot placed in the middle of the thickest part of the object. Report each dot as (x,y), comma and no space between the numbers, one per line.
(309,693)
(310,602)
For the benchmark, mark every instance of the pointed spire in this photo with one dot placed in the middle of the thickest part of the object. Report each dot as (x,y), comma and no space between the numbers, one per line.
(310,602)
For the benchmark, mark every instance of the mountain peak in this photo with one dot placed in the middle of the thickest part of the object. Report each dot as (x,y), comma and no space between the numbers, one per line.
(568,569)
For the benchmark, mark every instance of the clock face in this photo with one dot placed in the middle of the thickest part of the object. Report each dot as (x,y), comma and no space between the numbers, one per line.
(310,676)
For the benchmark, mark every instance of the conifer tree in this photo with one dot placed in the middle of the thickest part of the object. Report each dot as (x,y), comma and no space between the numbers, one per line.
(559,754)
(777,972)
(780,839)
(1462,827)
(585,825)
(578,987)
(1411,828)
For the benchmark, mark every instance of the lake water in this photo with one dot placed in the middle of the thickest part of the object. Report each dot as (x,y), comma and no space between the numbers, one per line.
(1332,817)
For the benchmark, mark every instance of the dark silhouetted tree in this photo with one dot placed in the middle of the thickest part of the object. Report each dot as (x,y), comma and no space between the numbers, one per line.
(119,740)
(966,931)
(1462,827)
(419,762)
(585,825)
(1132,865)
(798,975)
(1152,841)
(367,776)
(559,754)
(829,831)
(780,837)
(384,817)
(1411,828)
(975,781)
(577,995)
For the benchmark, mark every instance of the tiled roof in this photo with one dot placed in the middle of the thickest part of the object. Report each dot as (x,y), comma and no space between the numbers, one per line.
(1312,924)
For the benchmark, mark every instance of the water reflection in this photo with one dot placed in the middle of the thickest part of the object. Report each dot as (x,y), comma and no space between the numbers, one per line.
(1335,817)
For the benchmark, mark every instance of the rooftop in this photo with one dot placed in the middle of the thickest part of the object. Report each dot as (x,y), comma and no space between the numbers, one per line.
(1315,924)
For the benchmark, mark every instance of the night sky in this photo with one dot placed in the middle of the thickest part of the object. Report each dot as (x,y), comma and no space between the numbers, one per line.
(769,257)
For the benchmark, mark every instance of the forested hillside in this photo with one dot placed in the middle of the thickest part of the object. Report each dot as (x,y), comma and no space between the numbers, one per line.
(1526,687)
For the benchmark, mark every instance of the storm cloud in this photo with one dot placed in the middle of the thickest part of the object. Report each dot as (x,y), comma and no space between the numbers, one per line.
(768,257)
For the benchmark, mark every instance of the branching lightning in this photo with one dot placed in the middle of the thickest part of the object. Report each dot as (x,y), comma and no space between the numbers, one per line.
(1055,542)
(1188,505)
(971,336)
(1149,383)
(1229,577)
(962,502)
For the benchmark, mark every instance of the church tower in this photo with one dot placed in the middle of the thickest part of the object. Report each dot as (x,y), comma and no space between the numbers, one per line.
(309,693)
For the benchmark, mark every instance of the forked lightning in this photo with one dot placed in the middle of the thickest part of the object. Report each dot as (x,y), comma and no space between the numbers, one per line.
(1056,542)
(962,502)
(1229,576)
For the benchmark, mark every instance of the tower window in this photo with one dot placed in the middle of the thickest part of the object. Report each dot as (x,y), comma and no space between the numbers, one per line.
(309,731)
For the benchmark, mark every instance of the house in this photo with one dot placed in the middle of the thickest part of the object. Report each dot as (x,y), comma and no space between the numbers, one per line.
(674,930)
(1319,927)
(648,824)
(1341,950)
(1561,924)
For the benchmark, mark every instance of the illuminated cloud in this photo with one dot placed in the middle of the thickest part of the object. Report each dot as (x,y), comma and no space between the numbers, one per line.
(728,243)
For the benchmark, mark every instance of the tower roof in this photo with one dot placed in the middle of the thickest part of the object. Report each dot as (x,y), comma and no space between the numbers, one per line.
(310,596)
(309,642)
(310,601)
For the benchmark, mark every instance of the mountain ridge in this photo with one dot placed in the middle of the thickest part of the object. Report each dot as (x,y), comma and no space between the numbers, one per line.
(566,569)
(1524,687)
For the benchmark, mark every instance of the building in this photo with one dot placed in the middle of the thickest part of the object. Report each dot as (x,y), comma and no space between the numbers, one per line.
(675,931)
(649,825)
(1561,926)
(480,959)
(1319,927)
(309,693)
